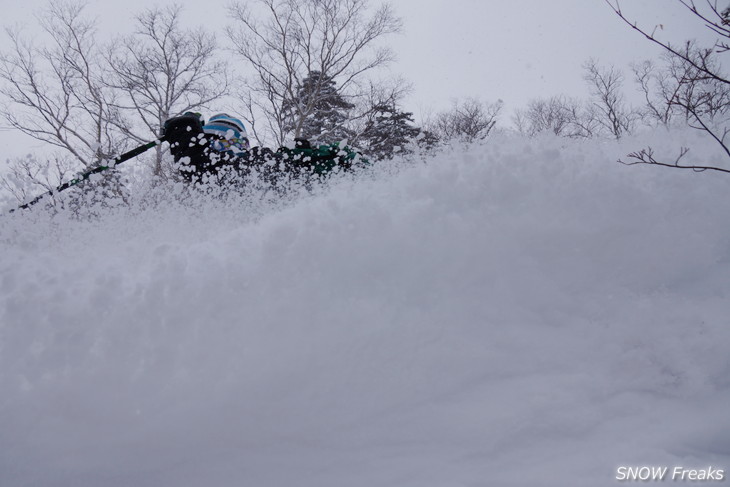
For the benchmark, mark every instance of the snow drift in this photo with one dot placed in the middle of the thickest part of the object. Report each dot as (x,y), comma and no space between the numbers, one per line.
(524,312)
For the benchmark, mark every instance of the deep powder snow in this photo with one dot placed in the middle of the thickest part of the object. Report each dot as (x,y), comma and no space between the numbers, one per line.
(523,312)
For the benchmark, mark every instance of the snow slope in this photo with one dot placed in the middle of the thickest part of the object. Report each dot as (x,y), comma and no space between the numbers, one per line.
(522,313)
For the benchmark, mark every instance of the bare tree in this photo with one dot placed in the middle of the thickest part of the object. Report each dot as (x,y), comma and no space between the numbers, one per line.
(291,39)
(561,115)
(30,175)
(659,91)
(163,70)
(90,101)
(609,103)
(468,120)
(56,94)
(693,83)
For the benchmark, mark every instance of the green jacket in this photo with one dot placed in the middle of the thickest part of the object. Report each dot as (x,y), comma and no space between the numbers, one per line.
(321,159)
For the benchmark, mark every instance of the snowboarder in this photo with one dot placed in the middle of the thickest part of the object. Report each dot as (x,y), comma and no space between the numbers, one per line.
(212,151)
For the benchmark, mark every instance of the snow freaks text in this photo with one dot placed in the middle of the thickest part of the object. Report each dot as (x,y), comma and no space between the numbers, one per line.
(666,473)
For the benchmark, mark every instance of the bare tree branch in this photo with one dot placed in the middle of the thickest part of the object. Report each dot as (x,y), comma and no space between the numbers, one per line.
(681,53)
(692,84)
(163,70)
(467,121)
(561,115)
(646,156)
(55,94)
(606,85)
(295,38)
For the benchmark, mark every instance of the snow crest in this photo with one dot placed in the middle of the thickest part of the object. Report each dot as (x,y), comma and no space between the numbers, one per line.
(522,312)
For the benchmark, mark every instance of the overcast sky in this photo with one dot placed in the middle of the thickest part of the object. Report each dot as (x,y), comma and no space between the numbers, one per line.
(511,50)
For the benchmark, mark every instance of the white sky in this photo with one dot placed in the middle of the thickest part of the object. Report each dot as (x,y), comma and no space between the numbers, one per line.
(512,50)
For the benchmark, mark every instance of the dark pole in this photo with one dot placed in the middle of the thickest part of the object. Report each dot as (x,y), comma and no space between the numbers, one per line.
(83,177)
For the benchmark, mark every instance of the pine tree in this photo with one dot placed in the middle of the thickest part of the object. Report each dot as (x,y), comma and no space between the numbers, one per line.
(388,132)
(319,111)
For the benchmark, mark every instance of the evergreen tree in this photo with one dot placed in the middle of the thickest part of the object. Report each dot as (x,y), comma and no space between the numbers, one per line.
(389,131)
(318,112)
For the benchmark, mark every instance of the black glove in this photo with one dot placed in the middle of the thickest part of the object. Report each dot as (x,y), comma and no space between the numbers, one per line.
(302,144)
(182,128)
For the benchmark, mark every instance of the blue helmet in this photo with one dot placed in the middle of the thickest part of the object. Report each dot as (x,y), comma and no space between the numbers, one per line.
(230,131)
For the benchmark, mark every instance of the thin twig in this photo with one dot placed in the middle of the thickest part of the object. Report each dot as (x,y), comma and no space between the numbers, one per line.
(646,156)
